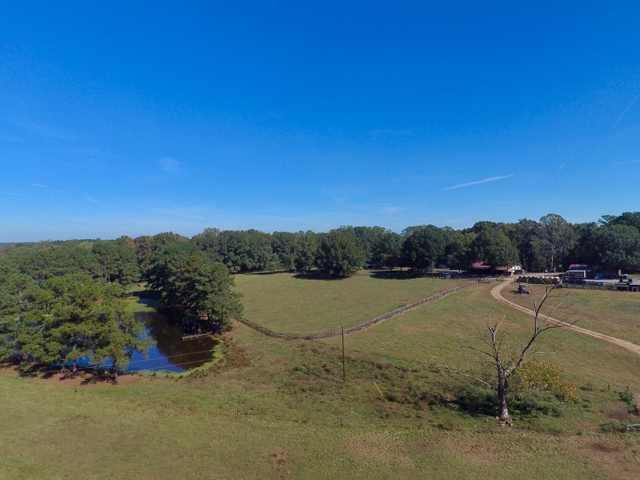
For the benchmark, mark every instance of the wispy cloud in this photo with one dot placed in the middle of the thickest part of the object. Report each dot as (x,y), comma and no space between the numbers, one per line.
(387,208)
(390,132)
(40,130)
(22,194)
(391,209)
(633,102)
(470,184)
(632,162)
(169,164)
(38,185)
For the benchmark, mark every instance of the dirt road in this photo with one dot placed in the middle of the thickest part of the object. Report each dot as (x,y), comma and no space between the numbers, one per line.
(496,293)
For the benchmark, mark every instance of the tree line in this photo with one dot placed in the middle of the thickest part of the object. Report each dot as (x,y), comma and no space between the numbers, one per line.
(611,243)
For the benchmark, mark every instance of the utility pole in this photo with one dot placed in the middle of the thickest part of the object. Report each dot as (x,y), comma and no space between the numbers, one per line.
(344,368)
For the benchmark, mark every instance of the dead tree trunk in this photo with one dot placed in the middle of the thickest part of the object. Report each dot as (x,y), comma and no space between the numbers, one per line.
(502,391)
(506,359)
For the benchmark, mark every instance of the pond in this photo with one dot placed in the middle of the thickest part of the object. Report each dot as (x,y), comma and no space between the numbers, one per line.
(170,353)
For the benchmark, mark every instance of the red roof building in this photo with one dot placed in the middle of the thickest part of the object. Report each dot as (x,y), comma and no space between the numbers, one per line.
(482,268)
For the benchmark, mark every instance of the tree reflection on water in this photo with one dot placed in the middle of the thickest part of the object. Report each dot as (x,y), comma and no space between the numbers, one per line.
(170,352)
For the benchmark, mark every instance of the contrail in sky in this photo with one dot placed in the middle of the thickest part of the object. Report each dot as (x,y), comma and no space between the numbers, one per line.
(626,110)
(490,179)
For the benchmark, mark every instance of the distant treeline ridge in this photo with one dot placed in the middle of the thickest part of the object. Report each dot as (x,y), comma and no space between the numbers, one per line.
(612,243)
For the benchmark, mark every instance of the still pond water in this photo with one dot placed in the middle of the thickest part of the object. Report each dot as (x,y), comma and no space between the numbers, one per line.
(170,353)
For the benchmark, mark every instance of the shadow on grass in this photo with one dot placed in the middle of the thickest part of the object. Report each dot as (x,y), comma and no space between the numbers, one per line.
(96,377)
(316,276)
(270,272)
(397,275)
(147,302)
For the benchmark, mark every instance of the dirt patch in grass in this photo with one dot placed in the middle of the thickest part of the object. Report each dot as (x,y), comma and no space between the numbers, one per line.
(616,411)
(377,448)
(278,457)
(471,449)
(612,455)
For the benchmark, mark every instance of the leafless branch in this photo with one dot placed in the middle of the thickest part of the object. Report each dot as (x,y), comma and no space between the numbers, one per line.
(473,377)
(479,350)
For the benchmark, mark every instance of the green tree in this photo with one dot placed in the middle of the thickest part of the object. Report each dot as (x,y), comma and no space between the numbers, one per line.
(387,251)
(460,253)
(44,264)
(118,262)
(285,246)
(192,287)
(307,251)
(211,297)
(630,219)
(557,237)
(369,237)
(113,334)
(247,251)
(17,299)
(424,247)
(618,247)
(170,274)
(525,237)
(341,253)
(494,248)
(585,248)
(149,248)
(74,316)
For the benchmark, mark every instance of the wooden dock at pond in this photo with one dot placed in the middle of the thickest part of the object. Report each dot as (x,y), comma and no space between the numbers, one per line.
(197,335)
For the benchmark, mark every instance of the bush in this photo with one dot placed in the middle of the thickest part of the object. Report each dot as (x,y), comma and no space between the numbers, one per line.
(534,403)
(612,426)
(476,400)
(541,376)
(448,424)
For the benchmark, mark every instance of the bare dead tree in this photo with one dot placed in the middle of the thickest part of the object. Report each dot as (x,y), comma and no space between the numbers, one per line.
(504,357)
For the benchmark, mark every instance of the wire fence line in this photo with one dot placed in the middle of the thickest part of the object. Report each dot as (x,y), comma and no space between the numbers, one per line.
(617,286)
(356,328)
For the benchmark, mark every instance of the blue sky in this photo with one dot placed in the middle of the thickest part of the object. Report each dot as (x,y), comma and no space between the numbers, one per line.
(141,117)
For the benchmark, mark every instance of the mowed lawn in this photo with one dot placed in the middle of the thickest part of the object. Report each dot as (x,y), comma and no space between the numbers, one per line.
(278,409)
(292,303)
(612,313)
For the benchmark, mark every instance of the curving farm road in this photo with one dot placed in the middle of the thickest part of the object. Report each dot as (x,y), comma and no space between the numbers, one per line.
(496,293)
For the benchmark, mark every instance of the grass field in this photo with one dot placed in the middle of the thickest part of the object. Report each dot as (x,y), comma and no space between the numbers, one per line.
(604,311)
(305,303)
(136,303)
(278,409)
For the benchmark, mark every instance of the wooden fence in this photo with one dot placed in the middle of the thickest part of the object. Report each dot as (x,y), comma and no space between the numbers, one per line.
(356,328)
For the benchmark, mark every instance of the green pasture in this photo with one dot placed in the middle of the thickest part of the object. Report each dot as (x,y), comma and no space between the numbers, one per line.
(604,311)
(278,409)
(306,303)
(136,301)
